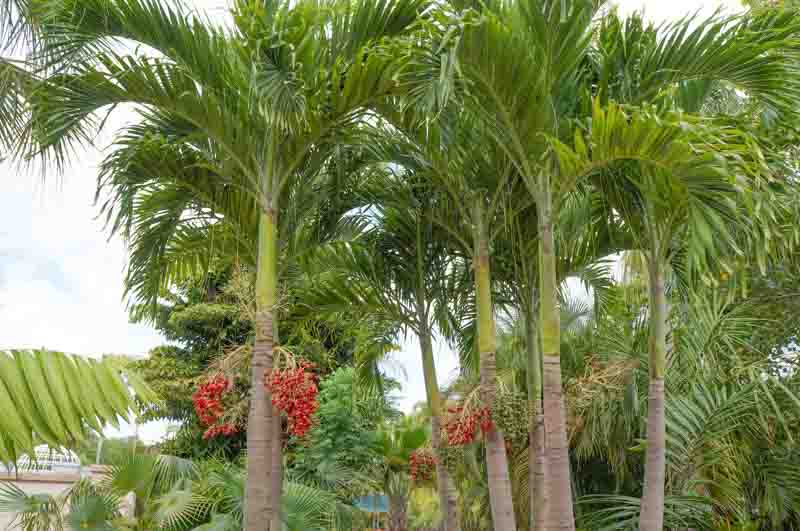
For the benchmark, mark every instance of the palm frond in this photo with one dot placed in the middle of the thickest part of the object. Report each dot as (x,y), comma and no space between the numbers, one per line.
(90,508)
(56,398)
(33,512)
(15,83)
(753,53)
(622,512)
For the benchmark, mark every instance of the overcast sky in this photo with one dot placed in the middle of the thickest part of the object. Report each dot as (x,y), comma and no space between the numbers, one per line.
(61,279)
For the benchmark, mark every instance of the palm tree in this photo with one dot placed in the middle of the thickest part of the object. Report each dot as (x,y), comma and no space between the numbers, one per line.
(513,45)
(698,179)
(53,398)
(585,237)
(181,218)
(701,187)
(481,192)
(717,413)
(396,444)
(275,115)
(395,272)
(472,194)
(684,223)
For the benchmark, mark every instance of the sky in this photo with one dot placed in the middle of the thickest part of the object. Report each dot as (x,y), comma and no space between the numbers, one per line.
(61,277)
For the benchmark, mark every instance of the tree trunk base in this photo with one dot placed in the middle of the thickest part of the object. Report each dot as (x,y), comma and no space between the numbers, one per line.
(537,477)
(652,512)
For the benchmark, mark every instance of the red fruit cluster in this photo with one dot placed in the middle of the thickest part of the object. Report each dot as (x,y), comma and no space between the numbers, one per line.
(222,429)
(208,400)
(294,392)
(462,427)
(422,464)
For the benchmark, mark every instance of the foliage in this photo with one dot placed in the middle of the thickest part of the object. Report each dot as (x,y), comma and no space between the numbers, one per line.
(770,3)
(423,508)
(722,409)
(59,399)
(100,506)
(344,434)
(203,321)
(398,442)
(111,449)
(168,493)
(221,491)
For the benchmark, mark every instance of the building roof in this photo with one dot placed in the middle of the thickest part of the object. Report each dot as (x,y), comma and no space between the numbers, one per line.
(47,458)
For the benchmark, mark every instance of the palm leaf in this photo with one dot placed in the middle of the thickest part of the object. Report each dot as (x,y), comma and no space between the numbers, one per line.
(33,512)
(43,403)
(622,512)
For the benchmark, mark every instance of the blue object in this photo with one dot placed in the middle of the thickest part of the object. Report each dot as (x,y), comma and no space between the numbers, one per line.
(374,503)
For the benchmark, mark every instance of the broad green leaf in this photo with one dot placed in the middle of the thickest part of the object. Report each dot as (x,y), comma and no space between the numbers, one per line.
(77,392)
(108,381)
(54,375)
(141,389)
(11,422)
(45,404)
(12,376)
(105,412)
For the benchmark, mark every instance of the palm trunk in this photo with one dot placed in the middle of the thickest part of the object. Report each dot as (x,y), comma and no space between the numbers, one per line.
(652,513)
(560,515)
(397,512)
(258,496)
(537,458)
(538,452)
(499,483)
(276,471)
(276,464)
(444,484)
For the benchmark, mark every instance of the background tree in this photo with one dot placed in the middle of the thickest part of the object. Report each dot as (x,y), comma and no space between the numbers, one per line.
(345,435)
(395,272)
(395,445)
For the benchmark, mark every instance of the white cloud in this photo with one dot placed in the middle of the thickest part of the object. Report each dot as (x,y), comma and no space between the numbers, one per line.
(61,279)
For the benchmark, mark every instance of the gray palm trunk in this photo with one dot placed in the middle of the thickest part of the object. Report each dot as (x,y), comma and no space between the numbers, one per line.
(276,464)
(560,514)
(537,456)
(258,510)
(652,511)
(276,471)
(499,480)
(398,519)
(263,502)
(444,483)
